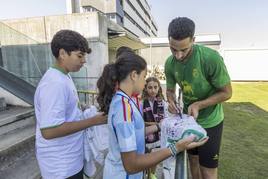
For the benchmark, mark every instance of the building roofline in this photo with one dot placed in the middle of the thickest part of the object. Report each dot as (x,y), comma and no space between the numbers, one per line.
(208,39)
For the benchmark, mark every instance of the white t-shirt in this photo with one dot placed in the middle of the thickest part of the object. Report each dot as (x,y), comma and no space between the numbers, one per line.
(56,101)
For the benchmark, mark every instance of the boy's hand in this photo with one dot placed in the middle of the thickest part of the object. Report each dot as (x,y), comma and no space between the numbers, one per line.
(101,119)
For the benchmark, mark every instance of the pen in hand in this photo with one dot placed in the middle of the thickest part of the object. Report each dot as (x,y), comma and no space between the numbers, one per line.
(177,104)
(178,109)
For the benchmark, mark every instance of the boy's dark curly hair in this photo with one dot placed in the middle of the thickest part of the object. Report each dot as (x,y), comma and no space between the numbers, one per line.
(69,41)
(181,28)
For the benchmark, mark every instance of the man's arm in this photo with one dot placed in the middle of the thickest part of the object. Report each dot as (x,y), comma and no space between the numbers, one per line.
(170,85)
(171,98)
(222,95)
(68,128)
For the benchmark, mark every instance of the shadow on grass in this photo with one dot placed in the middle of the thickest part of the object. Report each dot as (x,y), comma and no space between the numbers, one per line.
(244,150)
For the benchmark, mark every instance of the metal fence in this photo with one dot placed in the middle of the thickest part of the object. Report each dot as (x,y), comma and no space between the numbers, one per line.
(87,97)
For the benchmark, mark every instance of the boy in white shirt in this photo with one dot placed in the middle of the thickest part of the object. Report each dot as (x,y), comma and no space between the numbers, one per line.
(59,128)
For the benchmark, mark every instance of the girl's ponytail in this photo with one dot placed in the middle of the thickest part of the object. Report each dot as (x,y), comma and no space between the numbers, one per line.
(107,85)
(115,73)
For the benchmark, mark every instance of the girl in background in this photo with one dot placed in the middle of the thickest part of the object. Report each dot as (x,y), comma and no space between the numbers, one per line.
(154,111)
(126,158)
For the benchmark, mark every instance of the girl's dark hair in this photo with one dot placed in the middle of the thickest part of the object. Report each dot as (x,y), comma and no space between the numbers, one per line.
(114,73)
(123,49)
(145,94)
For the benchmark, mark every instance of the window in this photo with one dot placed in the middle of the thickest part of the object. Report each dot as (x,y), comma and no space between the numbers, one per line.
(121,2)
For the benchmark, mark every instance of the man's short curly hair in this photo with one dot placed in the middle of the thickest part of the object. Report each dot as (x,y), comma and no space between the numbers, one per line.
(181,28)
(69,41)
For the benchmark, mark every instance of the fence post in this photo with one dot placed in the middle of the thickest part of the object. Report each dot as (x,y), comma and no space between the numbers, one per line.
(181,166)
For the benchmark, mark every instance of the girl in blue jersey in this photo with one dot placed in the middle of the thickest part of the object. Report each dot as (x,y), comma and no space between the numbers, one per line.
(126,157)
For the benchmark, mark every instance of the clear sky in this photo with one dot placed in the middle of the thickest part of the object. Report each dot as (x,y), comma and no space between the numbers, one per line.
(10,9)
(241,23)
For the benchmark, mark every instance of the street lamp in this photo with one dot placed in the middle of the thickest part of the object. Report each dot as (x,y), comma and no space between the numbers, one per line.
(151,33)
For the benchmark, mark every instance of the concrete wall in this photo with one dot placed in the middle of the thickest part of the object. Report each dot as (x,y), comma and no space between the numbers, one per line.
(99,4)
(247,64)
(159,55)
(42,29)
(110,6)
(96,62)
(10,34)
(31,58)
(112,55)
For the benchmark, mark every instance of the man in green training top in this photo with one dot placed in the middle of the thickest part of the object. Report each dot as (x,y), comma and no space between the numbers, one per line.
(205,83)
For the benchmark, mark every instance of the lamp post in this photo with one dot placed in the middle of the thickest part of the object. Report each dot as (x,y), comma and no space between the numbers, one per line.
(151,33)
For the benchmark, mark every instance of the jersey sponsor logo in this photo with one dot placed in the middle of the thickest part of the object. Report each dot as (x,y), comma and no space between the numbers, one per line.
(195,73)
(187,88)
(216,157)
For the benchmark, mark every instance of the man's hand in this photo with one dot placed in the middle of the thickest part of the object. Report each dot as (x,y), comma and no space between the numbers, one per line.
(172,108)
(193,109)
(171,97)
(224,93)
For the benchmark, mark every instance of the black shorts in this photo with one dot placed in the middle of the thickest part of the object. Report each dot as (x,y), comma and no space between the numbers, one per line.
(79,175)
(209,152)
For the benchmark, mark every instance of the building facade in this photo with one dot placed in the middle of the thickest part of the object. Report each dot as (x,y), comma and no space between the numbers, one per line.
(134,15)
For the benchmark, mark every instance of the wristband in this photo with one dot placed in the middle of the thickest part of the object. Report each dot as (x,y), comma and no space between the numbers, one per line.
(173,149)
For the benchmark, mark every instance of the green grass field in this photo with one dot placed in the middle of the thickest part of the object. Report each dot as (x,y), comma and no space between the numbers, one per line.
(244,150)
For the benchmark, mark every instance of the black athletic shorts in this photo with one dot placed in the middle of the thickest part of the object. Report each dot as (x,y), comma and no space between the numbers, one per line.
(79,175)
(209,152)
